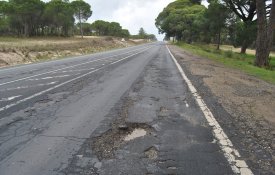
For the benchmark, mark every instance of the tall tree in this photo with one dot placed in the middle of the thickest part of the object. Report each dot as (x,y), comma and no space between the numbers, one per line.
(125,33)
(142,34)
(114,29)
(28,13)
(3,8)
(216,16)
(104,28)
(58,17)
(4,27)
(265,33)
(82,12)
(246,11)
(101,27)
(179,19)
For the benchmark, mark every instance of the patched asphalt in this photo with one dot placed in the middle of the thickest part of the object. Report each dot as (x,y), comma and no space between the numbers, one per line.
(80,128)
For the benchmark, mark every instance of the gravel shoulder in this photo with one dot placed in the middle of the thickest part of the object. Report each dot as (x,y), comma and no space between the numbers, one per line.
(242,104)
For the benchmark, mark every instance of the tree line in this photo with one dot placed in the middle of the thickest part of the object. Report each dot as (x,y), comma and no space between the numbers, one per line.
(38,18)
(241,23)
(105,28)
(142,34)
(56,18)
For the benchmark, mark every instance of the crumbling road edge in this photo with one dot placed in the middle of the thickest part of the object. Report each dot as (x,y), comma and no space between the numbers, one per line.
(232,155)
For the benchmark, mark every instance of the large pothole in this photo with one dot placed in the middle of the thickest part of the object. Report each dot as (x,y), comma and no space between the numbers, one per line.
(121,132)
(105,145)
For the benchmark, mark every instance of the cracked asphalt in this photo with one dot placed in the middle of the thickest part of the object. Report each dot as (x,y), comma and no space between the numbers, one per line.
(71,116)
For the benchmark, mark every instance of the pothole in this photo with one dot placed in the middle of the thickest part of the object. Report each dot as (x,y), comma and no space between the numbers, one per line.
(105,145)
(151,153)
(138,132)
(121,132)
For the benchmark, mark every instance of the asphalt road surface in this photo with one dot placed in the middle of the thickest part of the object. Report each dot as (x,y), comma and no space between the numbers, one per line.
(72,116)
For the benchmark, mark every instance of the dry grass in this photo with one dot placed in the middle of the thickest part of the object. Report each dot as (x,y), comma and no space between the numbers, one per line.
(24,50)
(242,62)
(238,50)
(54,43)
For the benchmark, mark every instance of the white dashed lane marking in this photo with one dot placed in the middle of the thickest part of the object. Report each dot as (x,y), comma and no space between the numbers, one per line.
(47,78)
(55,71)
(233,157)
(78,70)
(26,87)
(9,98)
(66,82)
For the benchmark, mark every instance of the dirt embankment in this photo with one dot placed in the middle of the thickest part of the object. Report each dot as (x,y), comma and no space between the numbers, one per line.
(21,51)
(249,101)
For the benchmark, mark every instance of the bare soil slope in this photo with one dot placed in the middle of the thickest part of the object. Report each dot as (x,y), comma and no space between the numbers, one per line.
(22,50)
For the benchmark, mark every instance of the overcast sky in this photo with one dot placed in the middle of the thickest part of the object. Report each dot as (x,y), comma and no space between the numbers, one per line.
(131,14)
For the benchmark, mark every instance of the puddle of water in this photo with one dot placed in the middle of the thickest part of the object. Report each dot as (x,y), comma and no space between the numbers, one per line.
(135,134)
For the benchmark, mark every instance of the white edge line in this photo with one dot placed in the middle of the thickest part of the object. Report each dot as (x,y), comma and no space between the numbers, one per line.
(66,67)
(66,82)
(233,157)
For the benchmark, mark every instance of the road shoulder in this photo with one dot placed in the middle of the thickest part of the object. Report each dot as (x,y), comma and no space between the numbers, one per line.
(242,104)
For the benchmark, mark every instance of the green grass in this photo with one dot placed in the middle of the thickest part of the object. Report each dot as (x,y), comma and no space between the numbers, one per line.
(231,59)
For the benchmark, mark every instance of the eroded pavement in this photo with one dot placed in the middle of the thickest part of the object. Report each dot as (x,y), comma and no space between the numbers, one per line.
(178,139)
(137,116)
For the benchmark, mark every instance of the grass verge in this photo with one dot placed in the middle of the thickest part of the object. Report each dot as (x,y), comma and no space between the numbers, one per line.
(231,59)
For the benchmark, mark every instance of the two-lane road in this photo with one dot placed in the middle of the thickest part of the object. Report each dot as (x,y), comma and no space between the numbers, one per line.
(49,110)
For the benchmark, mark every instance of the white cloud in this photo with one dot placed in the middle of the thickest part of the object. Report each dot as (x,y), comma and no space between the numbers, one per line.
(131,14)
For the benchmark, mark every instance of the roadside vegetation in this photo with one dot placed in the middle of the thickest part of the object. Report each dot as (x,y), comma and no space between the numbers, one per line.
(27,50)
(244,62)
(34,30)
(32,18)
(241,23)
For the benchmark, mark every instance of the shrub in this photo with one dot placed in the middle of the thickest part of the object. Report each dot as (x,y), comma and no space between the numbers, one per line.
(228,53)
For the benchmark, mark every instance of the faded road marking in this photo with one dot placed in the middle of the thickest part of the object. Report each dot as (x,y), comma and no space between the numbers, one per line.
(46,78)
(66,82)
(78,70)
(100,59)
(26,87)
(238,165)
(9,98)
